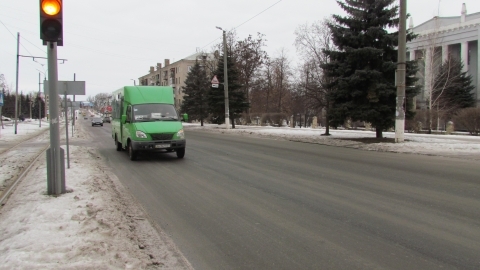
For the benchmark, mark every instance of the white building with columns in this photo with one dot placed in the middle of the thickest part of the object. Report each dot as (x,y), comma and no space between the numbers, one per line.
(443,37)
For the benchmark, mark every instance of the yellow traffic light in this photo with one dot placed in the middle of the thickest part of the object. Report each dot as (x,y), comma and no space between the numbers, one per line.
(51,7)
(51,21)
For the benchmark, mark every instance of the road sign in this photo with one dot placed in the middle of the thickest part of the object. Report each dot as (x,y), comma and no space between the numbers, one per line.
(215,81)
(68,87)
(215,85)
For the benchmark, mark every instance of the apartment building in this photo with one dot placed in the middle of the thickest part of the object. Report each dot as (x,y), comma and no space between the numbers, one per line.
(443,37)
(172,74)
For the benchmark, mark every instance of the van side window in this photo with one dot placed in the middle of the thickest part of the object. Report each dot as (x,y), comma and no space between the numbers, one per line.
(129,114)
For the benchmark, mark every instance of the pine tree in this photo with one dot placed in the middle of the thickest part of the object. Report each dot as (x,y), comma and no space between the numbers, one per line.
(236,97)
(453,88)
(364,64)
(195,94)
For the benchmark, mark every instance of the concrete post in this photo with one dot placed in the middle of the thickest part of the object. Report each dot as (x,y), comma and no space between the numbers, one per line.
(314,122)
(477,90)
(450,127)
(401,74)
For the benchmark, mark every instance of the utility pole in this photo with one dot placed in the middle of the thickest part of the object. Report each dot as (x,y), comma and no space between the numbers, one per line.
(401,71)
(16,84)
(39,102)
(225,79)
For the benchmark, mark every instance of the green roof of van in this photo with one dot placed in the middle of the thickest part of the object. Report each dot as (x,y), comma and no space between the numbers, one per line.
(149,94)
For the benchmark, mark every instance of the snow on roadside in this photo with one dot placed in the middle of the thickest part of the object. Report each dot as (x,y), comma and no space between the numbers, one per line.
(458,146)
(98,225)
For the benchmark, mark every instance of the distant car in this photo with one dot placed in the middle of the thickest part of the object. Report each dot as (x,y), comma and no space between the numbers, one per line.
(97,121)
(6,118)
(106,119)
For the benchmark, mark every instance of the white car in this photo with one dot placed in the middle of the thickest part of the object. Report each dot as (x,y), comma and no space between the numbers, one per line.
(6,118)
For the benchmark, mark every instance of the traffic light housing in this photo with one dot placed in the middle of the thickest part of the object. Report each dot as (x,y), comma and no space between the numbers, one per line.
(51,21)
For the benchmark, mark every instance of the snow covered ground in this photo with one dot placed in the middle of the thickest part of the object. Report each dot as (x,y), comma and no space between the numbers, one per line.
(100,226)
(458,146)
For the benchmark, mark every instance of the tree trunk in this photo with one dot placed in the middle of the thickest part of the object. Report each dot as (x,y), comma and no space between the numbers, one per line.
(327,120)
(429,121)
(379,134)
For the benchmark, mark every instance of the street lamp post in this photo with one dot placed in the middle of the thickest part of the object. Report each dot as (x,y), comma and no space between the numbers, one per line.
(225,79)
(134,82)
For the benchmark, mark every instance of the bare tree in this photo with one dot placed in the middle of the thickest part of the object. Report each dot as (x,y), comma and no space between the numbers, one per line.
(280,78)
(249,58)
(3,84)
(311,41)
(438,75)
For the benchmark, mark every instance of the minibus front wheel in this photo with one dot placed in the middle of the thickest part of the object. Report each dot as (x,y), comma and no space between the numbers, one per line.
(131,153)
(180,152)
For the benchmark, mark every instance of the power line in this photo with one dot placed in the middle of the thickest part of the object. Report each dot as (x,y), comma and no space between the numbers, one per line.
(257,14)
(246,21)
(16,38)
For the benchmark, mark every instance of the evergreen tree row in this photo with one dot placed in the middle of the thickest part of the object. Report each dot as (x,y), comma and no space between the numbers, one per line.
(202,101)
(25,106)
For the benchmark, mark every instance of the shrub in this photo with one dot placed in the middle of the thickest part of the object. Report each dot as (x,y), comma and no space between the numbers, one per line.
(468,119)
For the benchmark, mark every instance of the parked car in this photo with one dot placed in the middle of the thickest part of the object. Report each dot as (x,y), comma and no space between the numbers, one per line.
(97,121)
(106,119)
(6,118)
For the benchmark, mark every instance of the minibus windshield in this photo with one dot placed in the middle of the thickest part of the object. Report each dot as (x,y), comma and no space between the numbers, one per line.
(154,112)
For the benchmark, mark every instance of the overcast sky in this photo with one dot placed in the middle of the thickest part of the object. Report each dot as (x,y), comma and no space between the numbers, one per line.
(110,42)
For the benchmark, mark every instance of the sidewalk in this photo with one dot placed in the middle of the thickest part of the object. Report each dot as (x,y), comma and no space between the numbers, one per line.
(98,225)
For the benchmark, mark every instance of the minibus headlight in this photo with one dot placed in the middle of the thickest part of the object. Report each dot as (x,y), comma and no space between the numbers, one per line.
(181,134)
(141,134)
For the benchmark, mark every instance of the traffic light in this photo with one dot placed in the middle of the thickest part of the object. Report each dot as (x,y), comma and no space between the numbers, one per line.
(51,24)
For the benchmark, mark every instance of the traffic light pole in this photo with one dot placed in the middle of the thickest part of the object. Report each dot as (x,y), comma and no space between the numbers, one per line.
(55,154)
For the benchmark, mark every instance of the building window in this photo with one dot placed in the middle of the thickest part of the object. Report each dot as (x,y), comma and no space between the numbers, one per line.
(189,68)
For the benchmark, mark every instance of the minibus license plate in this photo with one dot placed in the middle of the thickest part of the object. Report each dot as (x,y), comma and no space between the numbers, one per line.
(162,145)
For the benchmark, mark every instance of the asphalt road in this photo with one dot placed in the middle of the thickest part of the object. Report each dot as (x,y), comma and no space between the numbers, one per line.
(236,202)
